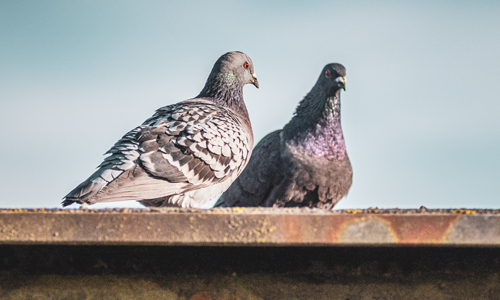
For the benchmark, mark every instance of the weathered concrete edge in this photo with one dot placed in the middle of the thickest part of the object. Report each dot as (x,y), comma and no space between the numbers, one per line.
(248,228)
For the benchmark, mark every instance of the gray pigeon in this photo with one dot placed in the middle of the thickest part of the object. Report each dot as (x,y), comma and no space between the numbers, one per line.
(186,153)
(305,163)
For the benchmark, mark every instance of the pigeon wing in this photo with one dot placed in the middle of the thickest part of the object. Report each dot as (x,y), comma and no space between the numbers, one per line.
(262,175)
(185,146)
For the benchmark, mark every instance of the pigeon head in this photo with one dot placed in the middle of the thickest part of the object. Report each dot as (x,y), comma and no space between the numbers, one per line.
(236,68)
(332,78)
(321,105)
(230,73)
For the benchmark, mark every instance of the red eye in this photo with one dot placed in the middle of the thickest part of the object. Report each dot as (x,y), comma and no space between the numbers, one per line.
(245,65)
(327,74)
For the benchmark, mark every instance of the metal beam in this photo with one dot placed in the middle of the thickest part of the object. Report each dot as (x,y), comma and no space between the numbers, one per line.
(250,227)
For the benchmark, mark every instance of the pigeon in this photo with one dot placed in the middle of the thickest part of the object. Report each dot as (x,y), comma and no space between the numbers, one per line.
(187,153)
(305,164)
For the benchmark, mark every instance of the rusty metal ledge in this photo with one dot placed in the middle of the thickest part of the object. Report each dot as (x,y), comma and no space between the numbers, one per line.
(251,227)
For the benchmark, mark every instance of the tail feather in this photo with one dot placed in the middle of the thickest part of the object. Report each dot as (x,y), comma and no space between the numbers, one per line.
(68,202)
(87,189)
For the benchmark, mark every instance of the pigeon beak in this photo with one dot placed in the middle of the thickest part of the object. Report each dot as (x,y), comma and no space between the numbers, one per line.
(254,80)
(341,81)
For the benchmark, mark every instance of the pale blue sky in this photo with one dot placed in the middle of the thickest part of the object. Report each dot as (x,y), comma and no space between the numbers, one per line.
(420,114)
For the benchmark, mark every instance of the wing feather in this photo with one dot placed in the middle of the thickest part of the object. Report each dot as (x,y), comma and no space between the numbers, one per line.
(182,147)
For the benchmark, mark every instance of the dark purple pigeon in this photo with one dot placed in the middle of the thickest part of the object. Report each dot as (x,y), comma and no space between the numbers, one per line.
(305,163)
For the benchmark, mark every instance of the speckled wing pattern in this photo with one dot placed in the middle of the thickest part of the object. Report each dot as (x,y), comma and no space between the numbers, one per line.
(185,146)
(256,186)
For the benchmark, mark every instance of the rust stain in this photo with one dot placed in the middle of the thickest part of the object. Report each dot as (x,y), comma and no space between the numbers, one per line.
(332,231)
(420,229)
(292,232)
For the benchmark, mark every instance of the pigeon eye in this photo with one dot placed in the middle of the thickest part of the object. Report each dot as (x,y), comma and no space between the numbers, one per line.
(246,65)
(328,74)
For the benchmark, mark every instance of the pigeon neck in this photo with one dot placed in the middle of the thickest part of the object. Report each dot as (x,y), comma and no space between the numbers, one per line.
(225,91)
(316,126)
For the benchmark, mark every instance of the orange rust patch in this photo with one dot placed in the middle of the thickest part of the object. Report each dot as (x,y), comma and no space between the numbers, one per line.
(293,230)
(420,229)
(334,228)
(308,229)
